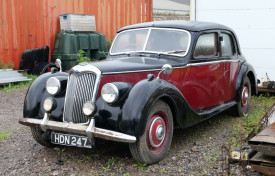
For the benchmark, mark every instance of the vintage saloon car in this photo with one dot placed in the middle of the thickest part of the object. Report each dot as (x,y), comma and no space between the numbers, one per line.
(157,75)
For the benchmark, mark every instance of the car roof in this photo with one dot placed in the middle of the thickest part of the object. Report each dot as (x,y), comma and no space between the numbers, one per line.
(179,24)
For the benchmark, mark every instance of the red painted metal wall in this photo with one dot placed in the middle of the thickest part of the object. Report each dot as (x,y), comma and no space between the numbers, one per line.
(28,24)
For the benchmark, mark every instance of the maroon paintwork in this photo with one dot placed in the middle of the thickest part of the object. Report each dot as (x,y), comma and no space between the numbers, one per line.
(203,86)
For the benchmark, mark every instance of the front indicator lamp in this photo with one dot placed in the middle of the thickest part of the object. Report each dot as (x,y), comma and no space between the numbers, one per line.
(49,104)
(89,108)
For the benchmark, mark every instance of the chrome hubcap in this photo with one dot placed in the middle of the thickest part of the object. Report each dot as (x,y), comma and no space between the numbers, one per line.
(157,132)
(245,96)
(160,132)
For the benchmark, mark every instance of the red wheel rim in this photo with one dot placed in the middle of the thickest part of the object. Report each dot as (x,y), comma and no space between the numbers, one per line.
(245,96)
(157,132)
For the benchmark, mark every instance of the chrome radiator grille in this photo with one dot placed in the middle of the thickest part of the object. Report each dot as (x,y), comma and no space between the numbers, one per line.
(80,89)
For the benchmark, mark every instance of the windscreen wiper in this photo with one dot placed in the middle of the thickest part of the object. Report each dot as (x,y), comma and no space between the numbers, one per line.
(137,54)
(174,52)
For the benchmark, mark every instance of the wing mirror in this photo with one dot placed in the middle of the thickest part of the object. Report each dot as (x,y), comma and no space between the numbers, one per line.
(58,64)
(166,69)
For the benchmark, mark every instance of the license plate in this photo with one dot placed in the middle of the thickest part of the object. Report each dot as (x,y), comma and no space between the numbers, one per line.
(71,140)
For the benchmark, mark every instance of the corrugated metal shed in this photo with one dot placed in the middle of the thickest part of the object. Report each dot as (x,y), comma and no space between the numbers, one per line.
(9,76)
(28,24)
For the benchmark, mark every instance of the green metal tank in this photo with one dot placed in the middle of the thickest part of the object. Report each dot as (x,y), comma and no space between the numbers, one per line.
(68,43)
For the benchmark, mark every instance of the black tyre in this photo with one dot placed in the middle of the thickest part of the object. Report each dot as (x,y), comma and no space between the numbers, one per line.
(242,107)
(41,137)
(152,146)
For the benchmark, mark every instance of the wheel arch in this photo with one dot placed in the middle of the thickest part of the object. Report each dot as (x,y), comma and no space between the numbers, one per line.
(145,93)
(173,107)
(245,70)
(253,82)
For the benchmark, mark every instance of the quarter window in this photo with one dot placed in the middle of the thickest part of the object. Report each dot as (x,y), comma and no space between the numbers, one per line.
(226,45)
(206,45)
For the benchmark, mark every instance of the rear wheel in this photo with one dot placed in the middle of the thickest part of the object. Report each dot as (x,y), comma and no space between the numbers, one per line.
(152,146)
(41,137)
(242,107)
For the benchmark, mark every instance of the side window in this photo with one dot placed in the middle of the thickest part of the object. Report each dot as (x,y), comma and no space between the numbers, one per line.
(227,47)
(206,45)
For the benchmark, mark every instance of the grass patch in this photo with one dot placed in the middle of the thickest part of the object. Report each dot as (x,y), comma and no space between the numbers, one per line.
(3,136)
(249,123)
(17,85)
(6,66)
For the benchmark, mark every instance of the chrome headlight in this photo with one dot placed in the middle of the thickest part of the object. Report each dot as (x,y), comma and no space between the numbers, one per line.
(53,85)
(49,104)
(109,93)
(89,108)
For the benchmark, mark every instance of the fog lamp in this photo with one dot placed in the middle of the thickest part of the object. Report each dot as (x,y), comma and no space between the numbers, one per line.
(49,104)
(89,108)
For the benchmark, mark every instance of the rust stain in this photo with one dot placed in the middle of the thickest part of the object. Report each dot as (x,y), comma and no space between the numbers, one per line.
(266,149)
(26,24)
(266,136)
(264,169)
(264,164)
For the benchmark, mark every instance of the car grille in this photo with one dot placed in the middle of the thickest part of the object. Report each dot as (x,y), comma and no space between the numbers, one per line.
(80,89)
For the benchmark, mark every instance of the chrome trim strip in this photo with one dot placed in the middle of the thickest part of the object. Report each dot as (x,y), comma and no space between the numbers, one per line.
(147,38)
(90,131)
(213,62)
(178,67)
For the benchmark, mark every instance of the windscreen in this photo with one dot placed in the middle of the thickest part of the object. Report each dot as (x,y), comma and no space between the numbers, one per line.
(154,40)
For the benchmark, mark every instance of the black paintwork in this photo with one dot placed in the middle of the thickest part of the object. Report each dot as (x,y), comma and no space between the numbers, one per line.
(37,93)
(134,63)
(128,114)
(246,69)
(187,25)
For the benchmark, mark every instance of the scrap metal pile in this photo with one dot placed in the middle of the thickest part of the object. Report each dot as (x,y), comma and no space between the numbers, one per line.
(264,145)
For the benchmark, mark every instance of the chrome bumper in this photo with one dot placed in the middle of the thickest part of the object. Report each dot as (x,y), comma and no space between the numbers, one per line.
(90,131)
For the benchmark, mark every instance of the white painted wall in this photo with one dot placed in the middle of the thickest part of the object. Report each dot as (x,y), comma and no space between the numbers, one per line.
(254,23)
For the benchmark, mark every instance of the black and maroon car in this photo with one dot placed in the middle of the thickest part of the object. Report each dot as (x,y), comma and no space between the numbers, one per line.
(158,75)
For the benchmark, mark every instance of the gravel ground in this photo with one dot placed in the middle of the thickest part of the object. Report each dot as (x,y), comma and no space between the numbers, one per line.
(194,151)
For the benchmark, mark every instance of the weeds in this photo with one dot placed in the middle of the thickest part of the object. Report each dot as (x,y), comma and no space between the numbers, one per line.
(106,169)
(60,151)
(249,123)
(82,58)
(141,166)
(110,163)
(3,136)
(6,66)
(247,127)
(163,170)
(109,43)
(80,161)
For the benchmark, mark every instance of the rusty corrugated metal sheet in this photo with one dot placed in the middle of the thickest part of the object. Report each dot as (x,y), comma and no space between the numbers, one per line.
(28,24)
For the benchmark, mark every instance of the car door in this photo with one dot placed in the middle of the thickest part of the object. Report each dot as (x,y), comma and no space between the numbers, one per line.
(229,57)
(201,86)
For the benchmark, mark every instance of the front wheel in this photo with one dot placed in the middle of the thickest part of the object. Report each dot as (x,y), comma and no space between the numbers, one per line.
(242,107)
(152,146)
(41,137)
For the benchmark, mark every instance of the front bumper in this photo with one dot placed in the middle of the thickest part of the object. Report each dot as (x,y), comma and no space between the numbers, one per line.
(90,131)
